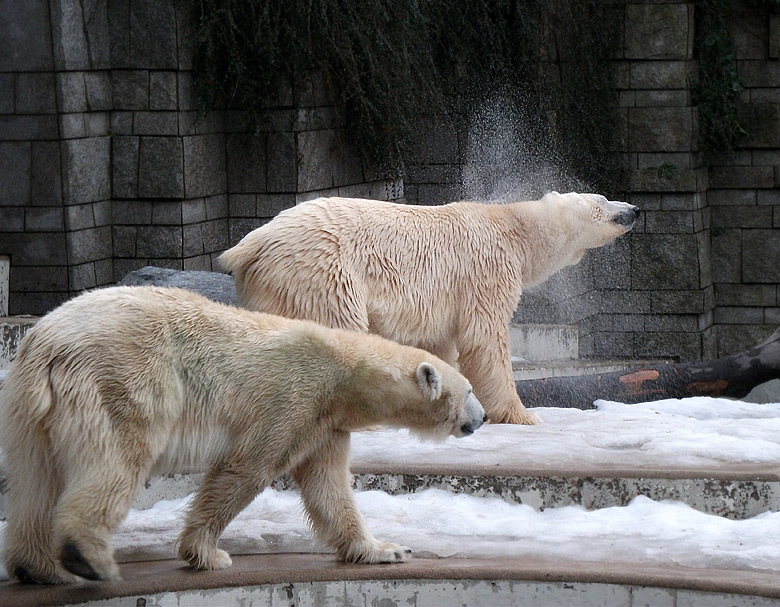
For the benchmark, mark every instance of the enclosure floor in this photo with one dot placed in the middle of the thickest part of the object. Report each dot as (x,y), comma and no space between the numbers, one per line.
(148,578)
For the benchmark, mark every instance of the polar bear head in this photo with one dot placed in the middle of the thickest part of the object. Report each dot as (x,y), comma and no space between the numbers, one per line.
(595,219)
(560,228)
(450,393)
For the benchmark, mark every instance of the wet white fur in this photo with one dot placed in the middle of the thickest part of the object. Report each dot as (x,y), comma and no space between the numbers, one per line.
(123,382)
(443,278)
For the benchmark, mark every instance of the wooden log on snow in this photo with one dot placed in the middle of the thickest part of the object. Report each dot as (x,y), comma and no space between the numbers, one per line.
(732,376)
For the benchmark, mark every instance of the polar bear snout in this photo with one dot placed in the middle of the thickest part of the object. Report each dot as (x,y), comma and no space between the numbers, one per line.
(473,416)
(624,214)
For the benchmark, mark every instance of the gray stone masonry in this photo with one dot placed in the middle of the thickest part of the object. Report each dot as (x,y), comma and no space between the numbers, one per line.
(106,167)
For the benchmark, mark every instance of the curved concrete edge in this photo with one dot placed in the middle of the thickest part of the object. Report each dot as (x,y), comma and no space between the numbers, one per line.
(171,576)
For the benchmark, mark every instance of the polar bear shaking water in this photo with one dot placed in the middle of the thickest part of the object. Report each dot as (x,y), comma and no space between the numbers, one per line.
(446,279)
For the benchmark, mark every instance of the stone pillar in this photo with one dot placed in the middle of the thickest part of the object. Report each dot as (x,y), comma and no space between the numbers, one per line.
(661,307)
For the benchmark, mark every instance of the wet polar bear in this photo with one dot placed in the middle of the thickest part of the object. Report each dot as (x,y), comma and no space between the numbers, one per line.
(443,278)
(125,382)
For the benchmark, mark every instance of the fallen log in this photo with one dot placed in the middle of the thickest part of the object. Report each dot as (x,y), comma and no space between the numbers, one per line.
(734,376)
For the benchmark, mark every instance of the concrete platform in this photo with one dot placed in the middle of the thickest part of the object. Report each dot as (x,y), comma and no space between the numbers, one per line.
(317,580)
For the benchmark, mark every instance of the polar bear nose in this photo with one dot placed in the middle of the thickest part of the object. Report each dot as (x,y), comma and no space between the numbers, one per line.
(474,416)
(471,427)
(627,216)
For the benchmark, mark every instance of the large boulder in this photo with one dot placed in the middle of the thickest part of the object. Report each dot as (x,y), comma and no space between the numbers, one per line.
(214,285)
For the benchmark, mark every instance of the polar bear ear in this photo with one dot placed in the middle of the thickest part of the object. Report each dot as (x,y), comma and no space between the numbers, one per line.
(430,381)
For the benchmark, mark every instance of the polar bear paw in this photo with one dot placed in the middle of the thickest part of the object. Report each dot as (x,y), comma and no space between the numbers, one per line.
(212,559)
(373,552)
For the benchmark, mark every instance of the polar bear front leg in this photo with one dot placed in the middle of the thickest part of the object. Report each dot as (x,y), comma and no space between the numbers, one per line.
(486,361)
(227,489)
(326,489)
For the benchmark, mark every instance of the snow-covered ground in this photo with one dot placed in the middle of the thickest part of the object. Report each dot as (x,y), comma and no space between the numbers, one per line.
(690,432)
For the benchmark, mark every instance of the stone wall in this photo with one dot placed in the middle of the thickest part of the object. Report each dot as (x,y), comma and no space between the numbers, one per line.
(698,276)
(105,165)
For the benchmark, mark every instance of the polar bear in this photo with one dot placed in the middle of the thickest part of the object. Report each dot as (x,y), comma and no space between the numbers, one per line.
(443,278)
(124,382)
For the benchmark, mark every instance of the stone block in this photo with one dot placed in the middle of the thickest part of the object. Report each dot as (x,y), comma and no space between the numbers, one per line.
(29,127)
(768,197)
(15,166)
(159,242)
(748,177)
(760,254)
(217,207)
(686,323)
(46,182)
(36,93)
(727,255)
(736,338)
(36,248)
(743,197)
(192,240)
(316,152)
(72,126)
(71,92)
(125,240)
(739,315)
(683,202)
(193,211)
(86,170)
(774,36)
(762,123)
(69,36)
(654,129)
(186,36)
(162,91)
(89,245)
(25,45)
(678,302)
(124,166)
(161,168)
(758,74)
(97,124)
(281,162)
(79,217)
(43,219)
(215,235)
(659,75)
(246,163)
(662,98)
(613,345)
(40,278)
(659,31)
(241,226)
(122,123)
(742,217)
(156,123)
(11,219)
(130,89)
(664,261)
(626,302)
(749,35)
(98,87)
(82,277)
(152,35)
(132,212)
(204,165)
(679,346)
(270,205)
(102,211)
(7,93)
(166,213)
(669,222)
(242,205)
